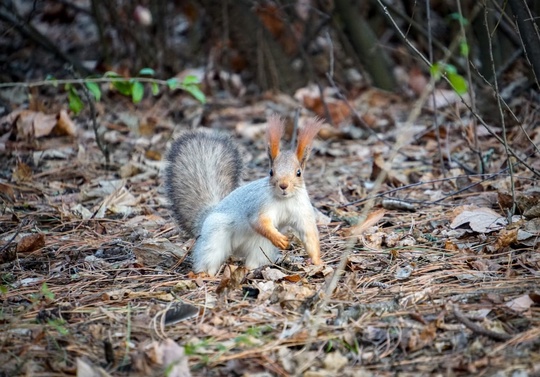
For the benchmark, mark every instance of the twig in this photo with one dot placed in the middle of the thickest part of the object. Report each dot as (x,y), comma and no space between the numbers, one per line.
(17,231)
(477,328)
(97,80)
(435,118)
(501,114)
(421,183)
(474,113)
(100,143)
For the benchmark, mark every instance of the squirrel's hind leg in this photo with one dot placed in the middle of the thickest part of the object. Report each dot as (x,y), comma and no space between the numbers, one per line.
(258,251)
(213,246)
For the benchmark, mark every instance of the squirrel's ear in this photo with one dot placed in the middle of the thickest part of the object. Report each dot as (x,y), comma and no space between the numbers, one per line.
(307,133)
(274,132)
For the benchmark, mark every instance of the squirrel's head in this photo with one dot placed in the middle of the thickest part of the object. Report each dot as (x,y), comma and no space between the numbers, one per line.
(287,167)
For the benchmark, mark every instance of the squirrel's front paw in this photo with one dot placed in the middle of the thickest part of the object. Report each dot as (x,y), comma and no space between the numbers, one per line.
(281,241)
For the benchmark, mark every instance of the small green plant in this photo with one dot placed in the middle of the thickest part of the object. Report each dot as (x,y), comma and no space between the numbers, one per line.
(193,348)
(58,324)
(463,22)
(130,87)
(258,331)
(458,82)
(46,292)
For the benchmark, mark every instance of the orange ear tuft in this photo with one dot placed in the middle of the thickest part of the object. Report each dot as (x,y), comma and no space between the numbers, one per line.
(311,128)
(274,133)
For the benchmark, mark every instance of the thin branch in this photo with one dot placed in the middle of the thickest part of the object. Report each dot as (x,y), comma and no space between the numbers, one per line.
(501,114)
(100,143)
(477,328)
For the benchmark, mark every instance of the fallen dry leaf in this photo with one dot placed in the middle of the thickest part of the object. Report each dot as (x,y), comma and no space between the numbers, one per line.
(31,242)
(521,303)
(22,173)
(372,219)
(170,356)
(87,369)
(273,274)
(32,124)
(481,220)
(65,125)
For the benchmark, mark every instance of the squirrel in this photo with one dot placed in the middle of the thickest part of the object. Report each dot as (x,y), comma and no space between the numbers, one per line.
(202,185)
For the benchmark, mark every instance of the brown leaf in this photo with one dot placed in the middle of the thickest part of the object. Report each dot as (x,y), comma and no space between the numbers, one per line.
(425,338)
(372,219)
(506,237)
(31,124)
(505,200)
(22,173)
(232,278)
(464,181)
(450,245)
(153,155)
(31,243)
(7,192)
(292,278)
(529,204)
(65,126)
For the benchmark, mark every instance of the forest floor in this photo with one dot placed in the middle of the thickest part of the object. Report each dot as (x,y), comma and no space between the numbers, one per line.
(96,278)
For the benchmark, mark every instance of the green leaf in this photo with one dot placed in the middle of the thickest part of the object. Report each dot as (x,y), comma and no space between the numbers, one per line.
(147,72)
(94,89)
(435,71)
(190,80)
(459,18)
(111,74)
(4,289)
(137,91)
(155,89)
(458,83)
(173,83)
(450,69)
(75,102)
(464,48)
(123,86)
(196,92)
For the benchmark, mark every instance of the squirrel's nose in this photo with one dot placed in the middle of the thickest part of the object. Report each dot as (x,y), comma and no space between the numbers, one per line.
(283,186)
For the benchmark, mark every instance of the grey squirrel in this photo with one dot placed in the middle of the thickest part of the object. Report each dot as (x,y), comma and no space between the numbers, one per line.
(202,184)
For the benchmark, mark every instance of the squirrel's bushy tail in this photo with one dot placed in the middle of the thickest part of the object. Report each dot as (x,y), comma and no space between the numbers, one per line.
(201,170)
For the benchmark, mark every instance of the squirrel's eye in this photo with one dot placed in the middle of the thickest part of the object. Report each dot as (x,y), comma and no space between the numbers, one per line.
(271,173)
(298,173)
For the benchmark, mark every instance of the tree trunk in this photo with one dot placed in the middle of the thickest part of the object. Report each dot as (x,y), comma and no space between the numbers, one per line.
(366,45)
(263,55)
